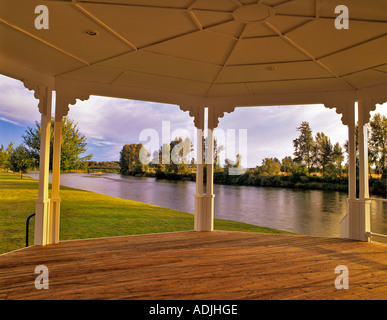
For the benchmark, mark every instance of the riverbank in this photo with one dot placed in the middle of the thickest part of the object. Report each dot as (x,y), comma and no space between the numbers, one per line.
(377,186)
(86,214)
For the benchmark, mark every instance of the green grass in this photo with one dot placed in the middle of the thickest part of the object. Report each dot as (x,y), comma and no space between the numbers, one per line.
(86,214)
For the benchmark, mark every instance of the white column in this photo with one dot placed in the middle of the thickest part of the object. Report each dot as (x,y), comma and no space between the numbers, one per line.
(42,203)
(204,203)
(64,98)
(352,155)
(55,191)
(364,205)
(349,227)
(199,197)
(208,215)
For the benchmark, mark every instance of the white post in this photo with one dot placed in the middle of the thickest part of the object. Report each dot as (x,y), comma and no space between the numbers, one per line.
(42,203)
(55,192)
(199,197)
(204,203)
(364,205)
(352,156)
(349,227)
(208,223)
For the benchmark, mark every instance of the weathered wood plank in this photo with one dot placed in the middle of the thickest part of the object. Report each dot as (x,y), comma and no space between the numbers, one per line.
(198,265)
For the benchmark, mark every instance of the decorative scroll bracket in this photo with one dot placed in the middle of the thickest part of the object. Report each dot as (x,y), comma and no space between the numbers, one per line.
(197,113)
(41,93)
(66,98)
(346,109)
(366,106)
(215,113)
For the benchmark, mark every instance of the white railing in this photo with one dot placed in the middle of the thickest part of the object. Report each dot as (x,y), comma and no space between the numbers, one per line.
(376,199)
(373,234)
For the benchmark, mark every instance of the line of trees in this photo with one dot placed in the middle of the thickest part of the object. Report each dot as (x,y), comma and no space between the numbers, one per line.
(316,162)
(171,161)
(319,155)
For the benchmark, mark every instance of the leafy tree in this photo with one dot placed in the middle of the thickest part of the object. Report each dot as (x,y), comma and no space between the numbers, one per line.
(180,155)
(378,143)
(73,145)
(217,151)
(323,151)
(5,155)
(287,163)
(271,166)
(174,158)
(303,145)
(20,159)
(130,159)
(338,158)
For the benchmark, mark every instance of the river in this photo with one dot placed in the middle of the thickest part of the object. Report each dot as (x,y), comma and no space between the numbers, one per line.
(308,212)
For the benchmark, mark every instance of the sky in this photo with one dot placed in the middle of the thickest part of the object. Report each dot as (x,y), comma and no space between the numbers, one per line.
(110,123)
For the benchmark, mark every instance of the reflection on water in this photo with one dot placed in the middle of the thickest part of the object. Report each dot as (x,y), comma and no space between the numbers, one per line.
(309,212)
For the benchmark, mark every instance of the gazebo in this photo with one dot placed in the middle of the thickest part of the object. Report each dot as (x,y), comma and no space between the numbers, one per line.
(199,54)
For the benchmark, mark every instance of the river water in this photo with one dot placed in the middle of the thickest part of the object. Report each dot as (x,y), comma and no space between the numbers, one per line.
(308,212)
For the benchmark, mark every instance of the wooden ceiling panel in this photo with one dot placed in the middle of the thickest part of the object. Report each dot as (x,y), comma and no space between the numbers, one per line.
(358,9)
(200,46)
(250,51)
(367,55)
(143,26)
(321,38)
(66,29)
(272,72)
(235,89)
(94,74)
(367,78)
(297,7)
(220,5)
(140,80)
(298,86)
(34,54)
(153,63)
(149,3)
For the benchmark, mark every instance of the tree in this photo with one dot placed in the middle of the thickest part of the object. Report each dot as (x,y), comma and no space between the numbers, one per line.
(217,152)
(303,145)
(180,155)
(271,166)
(378,143)
(5,155)
(130,159)
(174,158)
(287,163)
(20,159)
(72,147)
(323,151)
(338,158)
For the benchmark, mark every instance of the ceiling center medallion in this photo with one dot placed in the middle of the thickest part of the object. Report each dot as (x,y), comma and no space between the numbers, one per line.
(253,13)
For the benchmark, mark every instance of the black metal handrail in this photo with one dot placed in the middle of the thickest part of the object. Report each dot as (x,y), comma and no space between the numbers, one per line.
(27,227)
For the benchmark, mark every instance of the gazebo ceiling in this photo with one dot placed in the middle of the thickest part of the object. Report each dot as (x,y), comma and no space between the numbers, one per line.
(204,52)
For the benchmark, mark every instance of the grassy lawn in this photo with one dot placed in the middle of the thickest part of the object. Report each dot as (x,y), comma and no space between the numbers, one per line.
(86,214)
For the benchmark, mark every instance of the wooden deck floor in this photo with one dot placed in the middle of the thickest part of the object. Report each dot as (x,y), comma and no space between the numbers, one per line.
(198,265)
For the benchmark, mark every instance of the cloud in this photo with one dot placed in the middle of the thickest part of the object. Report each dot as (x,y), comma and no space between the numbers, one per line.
(122,120)
(10,121)
(17,103)
(271,130)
